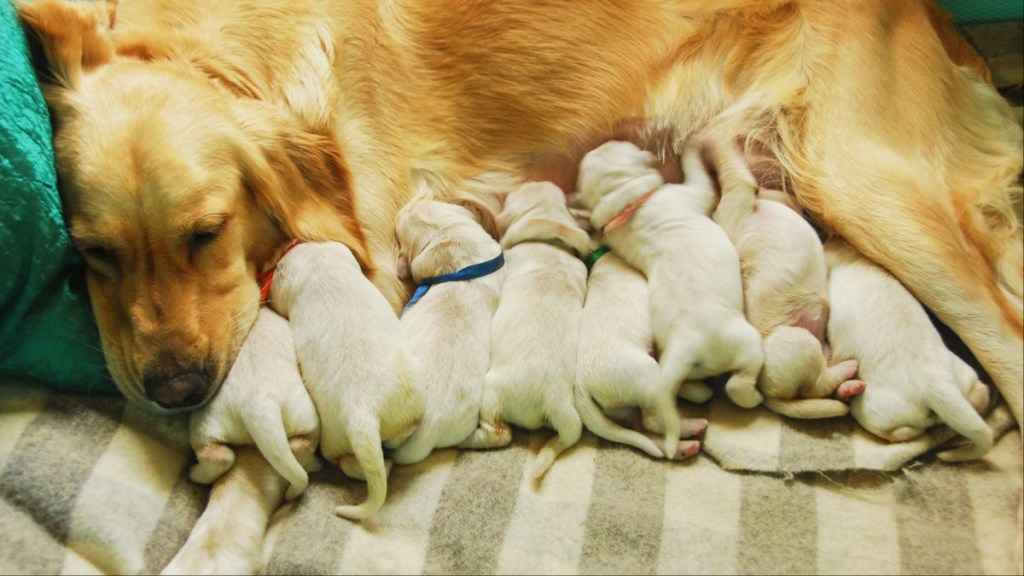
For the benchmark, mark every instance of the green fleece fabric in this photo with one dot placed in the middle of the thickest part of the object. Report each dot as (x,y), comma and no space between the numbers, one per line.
(978,11)
(47,330)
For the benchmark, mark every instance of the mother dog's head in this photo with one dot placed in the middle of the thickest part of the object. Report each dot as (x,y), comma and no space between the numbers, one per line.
(176,193)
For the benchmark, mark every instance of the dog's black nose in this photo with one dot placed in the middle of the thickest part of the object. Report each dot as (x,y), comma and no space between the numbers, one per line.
(181,390)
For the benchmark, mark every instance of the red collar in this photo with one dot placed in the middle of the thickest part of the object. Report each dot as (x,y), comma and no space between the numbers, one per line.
(266,278)
(628,212)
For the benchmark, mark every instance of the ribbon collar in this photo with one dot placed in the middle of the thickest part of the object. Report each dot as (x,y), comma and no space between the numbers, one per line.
(596,254)
(468,273)
(266,278)
(628,212)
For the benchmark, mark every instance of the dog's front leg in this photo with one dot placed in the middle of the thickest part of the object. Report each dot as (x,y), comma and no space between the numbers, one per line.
(228,538)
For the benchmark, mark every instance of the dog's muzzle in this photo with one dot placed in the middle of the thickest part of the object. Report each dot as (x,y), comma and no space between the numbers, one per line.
(185,389)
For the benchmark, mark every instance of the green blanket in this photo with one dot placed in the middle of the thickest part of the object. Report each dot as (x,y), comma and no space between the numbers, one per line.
(47,331)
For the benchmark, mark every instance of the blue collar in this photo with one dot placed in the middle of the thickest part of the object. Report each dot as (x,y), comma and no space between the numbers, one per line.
(468,273)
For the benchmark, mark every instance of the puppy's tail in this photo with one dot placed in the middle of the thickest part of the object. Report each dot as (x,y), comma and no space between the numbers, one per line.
(597,422)
(268,432)
(569,427)
(364,436)
(739,188)
(808,408)
(956,411)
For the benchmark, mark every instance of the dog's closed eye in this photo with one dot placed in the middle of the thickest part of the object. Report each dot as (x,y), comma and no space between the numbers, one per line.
(100,258)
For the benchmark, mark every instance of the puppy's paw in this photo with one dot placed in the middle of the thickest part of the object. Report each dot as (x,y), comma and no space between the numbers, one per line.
(849,389)
(743,392)
(696,392)
(693,427)
(213,461)
(687,449)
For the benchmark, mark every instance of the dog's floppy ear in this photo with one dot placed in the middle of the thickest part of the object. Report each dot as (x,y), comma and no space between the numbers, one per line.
(73,37)
(438,254)
(483,207)
(299,179)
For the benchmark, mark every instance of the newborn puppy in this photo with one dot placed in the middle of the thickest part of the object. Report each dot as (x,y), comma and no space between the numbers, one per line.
(449,327)
(614,366)
(692,269)
(913,380)
(354,359)
(263,402)
(536,325)
(785,289)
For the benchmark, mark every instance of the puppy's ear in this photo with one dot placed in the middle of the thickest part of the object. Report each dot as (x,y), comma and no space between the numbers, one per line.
(484,208)
(402,269)
(73,38)
(435,258)
(299,179)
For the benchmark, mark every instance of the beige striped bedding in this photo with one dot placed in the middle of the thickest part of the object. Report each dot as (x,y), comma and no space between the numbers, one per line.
(90,485)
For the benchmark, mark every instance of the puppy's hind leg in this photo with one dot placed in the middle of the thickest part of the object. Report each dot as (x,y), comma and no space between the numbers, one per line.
(493,431)
(742,384)
(268,433)
(213,461)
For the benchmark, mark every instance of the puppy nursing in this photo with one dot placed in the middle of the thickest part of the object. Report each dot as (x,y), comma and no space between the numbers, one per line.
(536,324)
(785,289)
(449,327)
(263,402)
(615,369)
(693,271)
(913,380)
(354,359)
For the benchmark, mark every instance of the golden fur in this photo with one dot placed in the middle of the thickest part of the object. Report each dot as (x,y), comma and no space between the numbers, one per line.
(273,115)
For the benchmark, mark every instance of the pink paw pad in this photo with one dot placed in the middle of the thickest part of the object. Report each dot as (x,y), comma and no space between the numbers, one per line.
(850,388)
(687,448)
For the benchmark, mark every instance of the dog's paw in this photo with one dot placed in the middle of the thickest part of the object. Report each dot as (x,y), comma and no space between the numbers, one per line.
(696,392)
(687,449)
(850,388)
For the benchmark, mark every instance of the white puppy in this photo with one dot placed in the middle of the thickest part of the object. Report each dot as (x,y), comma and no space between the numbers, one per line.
(692,269)
(614,368)
(785,289)
(263,402)
(449,327)
(913,379)
(354,359)
(536,325)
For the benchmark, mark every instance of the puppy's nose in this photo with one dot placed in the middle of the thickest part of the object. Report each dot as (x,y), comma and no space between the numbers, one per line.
(181,390)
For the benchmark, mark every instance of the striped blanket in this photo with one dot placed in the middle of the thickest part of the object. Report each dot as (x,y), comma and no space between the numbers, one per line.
(90,485)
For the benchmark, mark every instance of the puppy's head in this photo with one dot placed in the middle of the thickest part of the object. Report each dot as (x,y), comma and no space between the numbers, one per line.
(437,238)
(538,211)
(613,175)
(177,195)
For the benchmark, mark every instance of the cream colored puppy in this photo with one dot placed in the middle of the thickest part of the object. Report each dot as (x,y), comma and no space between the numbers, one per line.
(913,380)
(692,269)
(263,402)
(614,366)
(354,359)
(536,324)
(449,326)
(785,290)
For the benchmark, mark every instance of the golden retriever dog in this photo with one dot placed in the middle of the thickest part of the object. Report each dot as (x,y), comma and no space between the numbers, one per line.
(913,380)
(785,293)
(264,402)
(355,361)
(449,326)
(195,138)
(535,328)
